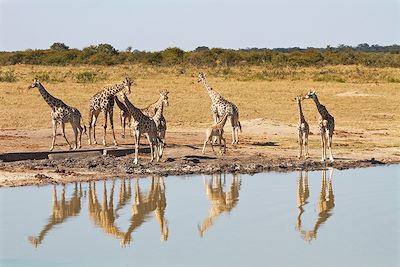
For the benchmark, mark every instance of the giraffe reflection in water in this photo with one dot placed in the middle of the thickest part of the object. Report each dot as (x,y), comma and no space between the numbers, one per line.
(104,215)
(221,202)
(326,202)
(62,209)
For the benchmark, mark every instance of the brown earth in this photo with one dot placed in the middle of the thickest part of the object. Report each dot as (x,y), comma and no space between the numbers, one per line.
(264,146)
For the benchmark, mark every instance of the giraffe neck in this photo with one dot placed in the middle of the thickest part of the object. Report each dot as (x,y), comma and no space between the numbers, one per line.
(159,112)
(112,90)
(156,104)
(134,111)
(120,104)
(50,100)
(301,115)
(321,108)
(211,92)
(222,122)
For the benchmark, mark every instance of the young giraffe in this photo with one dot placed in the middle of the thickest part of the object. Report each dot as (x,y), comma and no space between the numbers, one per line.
(220,106)
(326,124)
(141,124)
(216,130)
(124,115)
(159,119)
(303,130)
(152,109)
(103,101)
(61,113)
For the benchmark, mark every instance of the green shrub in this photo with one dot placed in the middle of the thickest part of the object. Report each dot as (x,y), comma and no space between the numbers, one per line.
(89,77)
(7,77)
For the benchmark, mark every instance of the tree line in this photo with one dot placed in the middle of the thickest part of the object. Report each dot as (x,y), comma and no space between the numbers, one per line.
(60,54)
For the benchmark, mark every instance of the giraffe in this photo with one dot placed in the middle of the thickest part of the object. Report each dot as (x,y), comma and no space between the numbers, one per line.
(61,211)
(152,109)
(103,213)
(326,124)
(103,101)
(219,106)
(124,115)
(145,203)
(221,201)
(216,130)
(61,113)
(326,202)
(141,124)
(303,130)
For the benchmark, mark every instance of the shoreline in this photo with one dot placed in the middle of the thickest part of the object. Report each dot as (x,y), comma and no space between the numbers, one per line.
(62,171)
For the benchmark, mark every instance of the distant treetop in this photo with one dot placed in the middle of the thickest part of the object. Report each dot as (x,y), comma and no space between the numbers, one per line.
(59,47)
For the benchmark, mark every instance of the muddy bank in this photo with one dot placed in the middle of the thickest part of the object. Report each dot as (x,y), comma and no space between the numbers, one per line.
(56,171)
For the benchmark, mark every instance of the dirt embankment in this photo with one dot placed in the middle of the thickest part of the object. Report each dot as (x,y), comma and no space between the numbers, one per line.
(275,149)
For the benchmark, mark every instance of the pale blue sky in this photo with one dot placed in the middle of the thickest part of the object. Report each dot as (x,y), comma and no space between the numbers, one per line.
(157,24)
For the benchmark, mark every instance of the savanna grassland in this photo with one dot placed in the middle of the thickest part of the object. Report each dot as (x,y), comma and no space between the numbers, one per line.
(360,98)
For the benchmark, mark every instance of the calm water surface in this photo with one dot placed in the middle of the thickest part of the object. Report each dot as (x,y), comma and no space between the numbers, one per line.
(321,218)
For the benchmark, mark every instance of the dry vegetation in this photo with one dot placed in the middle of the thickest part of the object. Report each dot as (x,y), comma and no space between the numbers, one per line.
(364,101)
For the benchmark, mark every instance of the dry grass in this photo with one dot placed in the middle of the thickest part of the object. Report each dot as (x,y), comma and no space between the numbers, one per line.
(360,99)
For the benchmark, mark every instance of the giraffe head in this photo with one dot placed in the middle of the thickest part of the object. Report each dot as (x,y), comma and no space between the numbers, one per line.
(164,97)
(128,83)
(201,77)
(34,84)
(311,94)
(299,98)
(123,95)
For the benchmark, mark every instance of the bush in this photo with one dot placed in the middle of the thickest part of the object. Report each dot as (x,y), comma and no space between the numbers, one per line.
(89,77)
(7,77)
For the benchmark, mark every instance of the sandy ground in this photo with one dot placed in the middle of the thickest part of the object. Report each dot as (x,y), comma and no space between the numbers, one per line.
(264,146)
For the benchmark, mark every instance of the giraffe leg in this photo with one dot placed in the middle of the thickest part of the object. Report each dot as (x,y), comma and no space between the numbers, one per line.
(123,124)
(80,134)
(149,139)
(235,128)
(95,116)
(220,144)
(300,141)
(157,143)
(330,146)
(212,146)
(223,139)
(105,128)
(54,123)
(137,140)
(208,139)
(111,114)
(121,119)
(326,143)
(204,147)
(63,133)
(306,145)
(90,127)
(322,145)
(216,120)
(75,129)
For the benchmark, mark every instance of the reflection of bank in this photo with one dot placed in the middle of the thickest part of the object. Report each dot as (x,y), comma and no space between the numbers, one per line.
(104,215)
(326,202)
(221,201)
(62,209)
